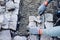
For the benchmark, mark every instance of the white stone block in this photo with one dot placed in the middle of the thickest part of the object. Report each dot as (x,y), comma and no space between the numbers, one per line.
(0,26)
(45,37)
(6,21)
(48,17)
(38,21)
(31,21)
(5,26)
(13,18)
(1,18)
(48,24)
(31,18)
(5,35)
(2,9)
(7,16)
(20,38)
(6,0)
(17,1)
(16,11)
(33,37)
(13,25)
(32,24)
(10,5)
(17,5)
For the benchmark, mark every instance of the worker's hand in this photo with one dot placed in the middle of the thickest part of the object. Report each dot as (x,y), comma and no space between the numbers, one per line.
(40,31)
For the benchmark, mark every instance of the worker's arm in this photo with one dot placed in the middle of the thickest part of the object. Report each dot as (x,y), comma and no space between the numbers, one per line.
(43,6)
(54,31)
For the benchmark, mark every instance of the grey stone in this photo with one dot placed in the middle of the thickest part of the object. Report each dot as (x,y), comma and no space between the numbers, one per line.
(10,5)
(20,38)
(0,26)
(5,35)
(32,18)
(10,22)
(16,11)
(6,21)
(13,25)
(10,16)
(28,1)
(32,24)
(17,5)
(31,21)
(1,18)
(7,16)
(31,6)
(45,37)
(33,37)
(13,18)
(48,17)
(48,24)
(5,26)
(17,1)
(2,9)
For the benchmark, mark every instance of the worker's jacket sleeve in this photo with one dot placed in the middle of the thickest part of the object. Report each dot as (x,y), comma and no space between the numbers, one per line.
(49,1)
(43,6)
(55,31)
